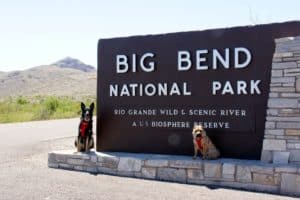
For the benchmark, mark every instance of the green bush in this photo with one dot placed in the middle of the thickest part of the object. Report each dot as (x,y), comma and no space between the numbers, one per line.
(21,100)
(52,103)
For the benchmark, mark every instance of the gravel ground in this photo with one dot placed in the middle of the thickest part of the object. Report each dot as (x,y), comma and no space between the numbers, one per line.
(24,175)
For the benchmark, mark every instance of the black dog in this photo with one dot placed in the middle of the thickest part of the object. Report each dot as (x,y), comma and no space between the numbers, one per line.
(84,142)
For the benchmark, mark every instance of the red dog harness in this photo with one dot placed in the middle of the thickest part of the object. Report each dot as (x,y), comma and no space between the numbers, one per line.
(198,141)
(83,126)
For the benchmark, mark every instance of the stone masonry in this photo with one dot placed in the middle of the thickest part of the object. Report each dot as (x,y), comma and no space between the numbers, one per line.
(282,134)
(233,173)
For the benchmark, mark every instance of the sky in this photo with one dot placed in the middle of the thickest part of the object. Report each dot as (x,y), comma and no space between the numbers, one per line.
(35,32)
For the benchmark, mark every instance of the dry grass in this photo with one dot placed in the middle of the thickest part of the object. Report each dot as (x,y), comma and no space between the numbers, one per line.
(20,109)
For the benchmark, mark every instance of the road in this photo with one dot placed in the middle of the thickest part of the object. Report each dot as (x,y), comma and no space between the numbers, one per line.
(21,139)
(24,173)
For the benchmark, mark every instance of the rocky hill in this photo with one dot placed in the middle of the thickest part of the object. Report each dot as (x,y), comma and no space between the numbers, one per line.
(73,78)
(73,63)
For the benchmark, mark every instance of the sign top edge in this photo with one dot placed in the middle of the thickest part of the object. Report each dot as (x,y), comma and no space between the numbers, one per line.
(246,27)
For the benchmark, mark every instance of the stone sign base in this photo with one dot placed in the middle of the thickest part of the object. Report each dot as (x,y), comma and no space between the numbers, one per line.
(233,173)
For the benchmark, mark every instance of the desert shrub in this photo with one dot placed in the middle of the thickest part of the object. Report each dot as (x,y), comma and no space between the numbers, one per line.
(52,103)
(21,100)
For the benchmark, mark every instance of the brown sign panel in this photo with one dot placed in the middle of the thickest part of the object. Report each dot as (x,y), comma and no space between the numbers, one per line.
(153,89)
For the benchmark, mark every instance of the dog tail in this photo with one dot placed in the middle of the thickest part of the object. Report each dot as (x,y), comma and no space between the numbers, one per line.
(75,142)
(216,153)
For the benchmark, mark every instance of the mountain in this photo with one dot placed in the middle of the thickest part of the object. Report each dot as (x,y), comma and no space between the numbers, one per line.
(62,80)
(73,63)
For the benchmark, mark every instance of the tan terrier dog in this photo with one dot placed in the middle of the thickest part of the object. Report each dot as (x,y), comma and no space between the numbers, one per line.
(203,144)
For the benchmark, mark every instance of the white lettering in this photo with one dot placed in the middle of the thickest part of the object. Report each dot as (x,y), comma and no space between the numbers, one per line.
(125,91)
(122,65)
(162,89)
(216,85)
(183,57)
(150,89)
(133,87)
(237,63)
(241,87)
(227,88)
(199,59)
(174,90)
(254,87)
(185,90)
(217,57)
(113,90)
(151,65)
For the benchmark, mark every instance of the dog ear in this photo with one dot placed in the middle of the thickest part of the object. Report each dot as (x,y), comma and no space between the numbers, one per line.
(92,106)
(82,106)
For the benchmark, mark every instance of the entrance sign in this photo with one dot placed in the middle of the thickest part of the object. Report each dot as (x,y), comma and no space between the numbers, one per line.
(153,89)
